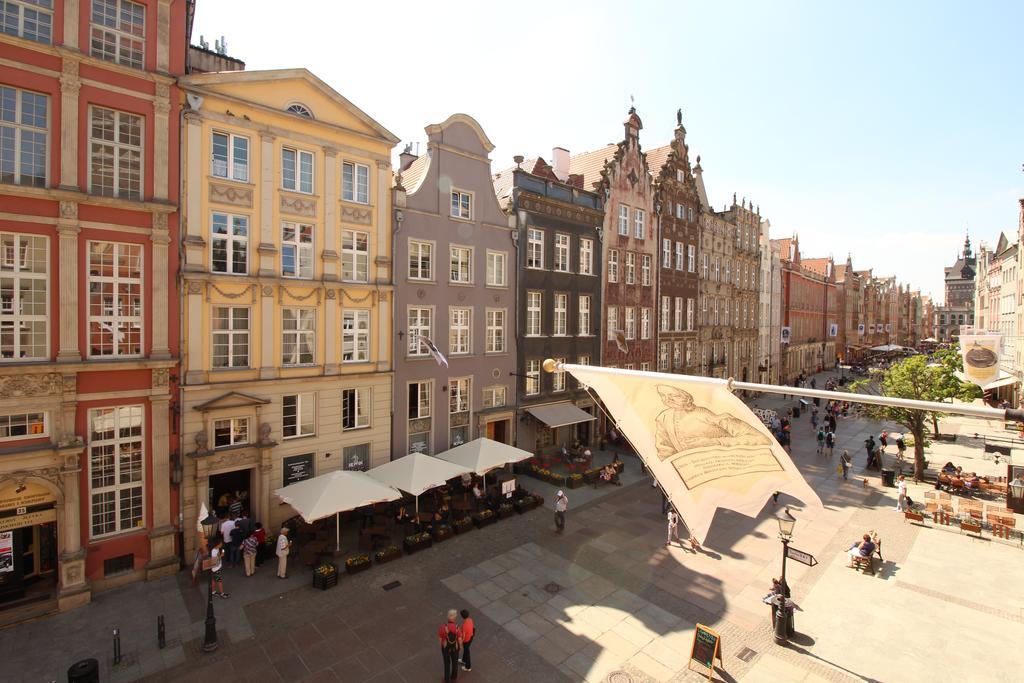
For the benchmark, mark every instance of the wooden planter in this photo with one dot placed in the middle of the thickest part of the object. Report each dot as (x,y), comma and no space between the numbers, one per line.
(521,506)
(411,548)
(573,482)
(323,582)
(505,513)
(481,522)
(384,559)
(356,568)
(441,534)
(461,529)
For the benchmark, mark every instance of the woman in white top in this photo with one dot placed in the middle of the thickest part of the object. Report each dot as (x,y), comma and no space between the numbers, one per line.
(283,546)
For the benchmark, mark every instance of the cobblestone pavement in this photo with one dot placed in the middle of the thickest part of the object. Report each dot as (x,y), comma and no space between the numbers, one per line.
(606,601)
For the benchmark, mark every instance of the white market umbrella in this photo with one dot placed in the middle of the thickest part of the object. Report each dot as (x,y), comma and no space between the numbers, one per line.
(416,473)
(483,455)
(333,493)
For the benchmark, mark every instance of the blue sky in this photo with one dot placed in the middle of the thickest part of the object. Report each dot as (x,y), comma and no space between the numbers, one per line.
(882,129)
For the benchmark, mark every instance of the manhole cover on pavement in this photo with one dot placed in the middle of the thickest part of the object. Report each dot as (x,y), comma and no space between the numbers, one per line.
(746,654)
(552,588)
(619,677)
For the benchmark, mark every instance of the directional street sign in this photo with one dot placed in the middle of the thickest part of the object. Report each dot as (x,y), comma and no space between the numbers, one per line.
(800,556)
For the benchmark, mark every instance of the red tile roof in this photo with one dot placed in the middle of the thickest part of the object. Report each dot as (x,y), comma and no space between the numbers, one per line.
(590,165)
(656,159)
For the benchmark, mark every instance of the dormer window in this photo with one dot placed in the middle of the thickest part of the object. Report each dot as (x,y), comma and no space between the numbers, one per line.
(300,109)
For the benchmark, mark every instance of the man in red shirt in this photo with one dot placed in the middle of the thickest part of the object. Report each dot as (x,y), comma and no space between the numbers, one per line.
(450,638)
(467,631)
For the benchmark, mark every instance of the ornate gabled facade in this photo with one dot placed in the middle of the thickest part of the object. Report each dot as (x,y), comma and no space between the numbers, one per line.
(287,287)
(958,308)
(746,225)
(677,204)
(810,310)
(715,277)
(619,174)
(455,284)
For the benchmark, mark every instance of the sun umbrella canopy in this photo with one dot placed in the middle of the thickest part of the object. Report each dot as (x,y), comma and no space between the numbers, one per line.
(416,473)
(483,455)
(887,347)
(334,492)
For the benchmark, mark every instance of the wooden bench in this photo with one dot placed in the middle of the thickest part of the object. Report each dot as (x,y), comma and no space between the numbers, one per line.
(1002,531)
(867,564)
(913,517)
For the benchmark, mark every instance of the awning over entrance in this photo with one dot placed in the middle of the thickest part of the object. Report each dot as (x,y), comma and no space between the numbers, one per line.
(560,414)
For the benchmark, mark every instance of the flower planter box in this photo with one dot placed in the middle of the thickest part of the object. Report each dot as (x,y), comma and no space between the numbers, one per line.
(573,482)
(481,522)
(325,581)
(461,529)
(504,513)
(522,506)
(356,568)
(441,534)
(388,557)
(411,548)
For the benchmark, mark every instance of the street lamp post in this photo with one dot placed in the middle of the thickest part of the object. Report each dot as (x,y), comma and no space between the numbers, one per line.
(782,615)
(210,639)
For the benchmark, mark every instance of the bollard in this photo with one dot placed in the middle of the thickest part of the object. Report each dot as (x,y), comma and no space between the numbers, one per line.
(117,646)
(161,632)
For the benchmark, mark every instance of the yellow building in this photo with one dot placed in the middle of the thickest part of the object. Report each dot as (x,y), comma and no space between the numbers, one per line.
(286,282)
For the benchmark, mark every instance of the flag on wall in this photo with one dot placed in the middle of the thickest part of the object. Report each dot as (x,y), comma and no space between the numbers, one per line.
(833,330)
(704,446)
(860,329)
(433,350)
(980,354)
(786,332)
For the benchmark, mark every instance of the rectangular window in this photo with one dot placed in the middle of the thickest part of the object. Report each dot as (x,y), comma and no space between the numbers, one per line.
(638,224)
(24,288)
(298,415)
(355,408)
(666,253)
(663,351)
(229,244)
(645,323)
(420,260)
(561,252)
(494,397)
(679,255)
(419,327)
(297,250)
(23,135)
(297,170)
(119,32)
(461,271)
(624,220)
(115,299)
(558,377)
(462,205)
(645,367)
(298,336)
(718,269)
(533,314)
(116,469)
(355,182)
(691,258)
(355,336)
(689,353)
(561,320)
(704,266)
(28,19)
(230,337)
(230,157)
(677,355)
(666,313)
(613,322)
(532,377)
(23,426)
(586,257)
(645,270)
(689,315)
(630,268)
(680,209)
(584,315)
(679,314)
(534,248)
(115,153)
(613,265)
(458,331)
(419,400)
(355,256)
(495,325)
(583,360)
(630,322)
(495,268)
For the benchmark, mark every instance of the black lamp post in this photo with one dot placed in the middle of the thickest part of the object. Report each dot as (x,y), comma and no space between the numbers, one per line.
(210,525)
(783,611)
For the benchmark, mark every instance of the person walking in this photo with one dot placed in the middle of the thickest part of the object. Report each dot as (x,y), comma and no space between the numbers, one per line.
(845,461)
(261,540)
(830,442)
(449,637)
(673,527)
(216,565)
(901,447)
(561,505)
(467,631)
(821,440)
(226,527)
(869,446)
(250,546)
(283,547)
(901,488)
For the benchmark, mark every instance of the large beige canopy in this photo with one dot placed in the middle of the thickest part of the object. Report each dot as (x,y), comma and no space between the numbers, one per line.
(416,473)
(334,493)
(483,455)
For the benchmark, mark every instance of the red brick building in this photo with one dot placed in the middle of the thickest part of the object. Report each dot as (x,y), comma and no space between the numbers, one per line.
(810,312)
(89,114)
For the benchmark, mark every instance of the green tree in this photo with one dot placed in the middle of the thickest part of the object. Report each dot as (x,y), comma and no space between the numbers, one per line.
(915,378)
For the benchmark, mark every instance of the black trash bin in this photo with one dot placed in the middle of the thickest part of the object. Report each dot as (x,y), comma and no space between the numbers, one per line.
(84,671)
(796,412)
(888,477)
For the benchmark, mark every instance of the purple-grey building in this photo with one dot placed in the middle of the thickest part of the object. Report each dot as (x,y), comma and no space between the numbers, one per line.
(455,285)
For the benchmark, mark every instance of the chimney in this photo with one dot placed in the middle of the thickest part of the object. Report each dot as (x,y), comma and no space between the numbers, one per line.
(406,158)
(560,162)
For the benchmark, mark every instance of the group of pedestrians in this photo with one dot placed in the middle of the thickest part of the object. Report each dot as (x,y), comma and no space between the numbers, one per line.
(456,640)
(244,542)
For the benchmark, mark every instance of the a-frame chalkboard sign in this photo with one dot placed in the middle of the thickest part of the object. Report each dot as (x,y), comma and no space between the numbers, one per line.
(706,648)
